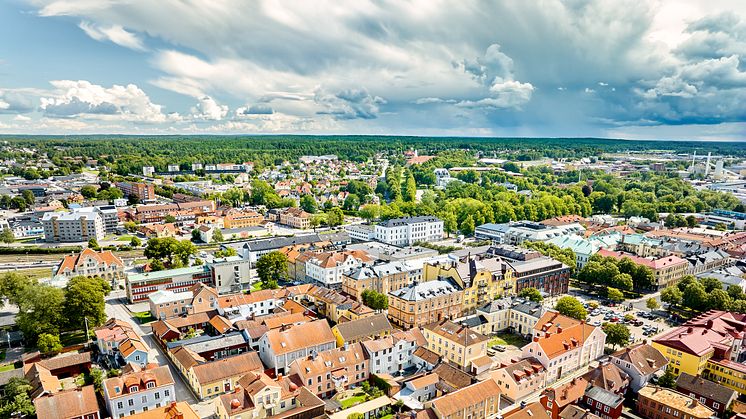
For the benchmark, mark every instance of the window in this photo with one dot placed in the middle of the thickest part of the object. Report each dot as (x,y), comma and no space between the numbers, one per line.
(157,395)
(167,393)
(131,402)
(145,399)
(120,405)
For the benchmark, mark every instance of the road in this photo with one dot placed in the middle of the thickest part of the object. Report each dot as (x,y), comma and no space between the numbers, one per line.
(115,308)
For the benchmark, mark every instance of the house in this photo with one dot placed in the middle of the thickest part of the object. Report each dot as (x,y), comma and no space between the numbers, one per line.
(530,411)
(327,268)
(295,217)
(608,377)
(165,304)
(455,343)
(395,352)
(89,263)
(520,379)
(425,358)
(173,410)
(577,412)
(452,378)
(712,345)
(713,395)
(557,399)
(358,330)
(78,403)
(159,231)
(655,402)
(524,315)
(480,400)
(206,233)
(280,347)
(117,339)
(563,345)
(138,390)
(641,362)
(236,218)
(415,392)
(212,378)
(604,403)
(329,372)
(243,306)
(211,348)
(259,396)
(423,303)
(381,277)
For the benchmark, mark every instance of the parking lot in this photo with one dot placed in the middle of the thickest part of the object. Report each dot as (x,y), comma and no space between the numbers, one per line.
(642,324)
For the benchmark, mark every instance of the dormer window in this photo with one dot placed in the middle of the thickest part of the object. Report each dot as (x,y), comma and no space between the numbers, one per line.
(133,389)
(150,384)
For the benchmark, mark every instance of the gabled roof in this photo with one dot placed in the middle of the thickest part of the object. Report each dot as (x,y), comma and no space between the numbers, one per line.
(456,333)
(460,399)
(705,388)
(609,377)
(67,404)
(236,365)
(118,386)
(364,327)
(105,257)
(567,393)
(532,411)
(300,336)
(643,357)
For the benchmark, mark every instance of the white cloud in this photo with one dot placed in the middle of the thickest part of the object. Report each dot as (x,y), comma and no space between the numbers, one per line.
(113,33)
(207,108)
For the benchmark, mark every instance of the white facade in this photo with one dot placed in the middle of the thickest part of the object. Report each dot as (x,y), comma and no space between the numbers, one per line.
(361,232)
(407,231)
(560,364)
(389,355)
(79,225)
(140,400)
(148,171)
(330,276)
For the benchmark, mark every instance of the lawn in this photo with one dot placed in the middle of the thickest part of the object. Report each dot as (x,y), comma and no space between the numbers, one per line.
(507,339)
(125,238)
(352,401)
(72,338)
(143,317)
(8,367)
(36,273)
(256,286)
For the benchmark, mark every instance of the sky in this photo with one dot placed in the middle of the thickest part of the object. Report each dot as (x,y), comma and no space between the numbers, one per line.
(645,69)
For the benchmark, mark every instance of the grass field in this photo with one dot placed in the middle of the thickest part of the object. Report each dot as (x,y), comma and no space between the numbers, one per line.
(507,339)
(9,367)
(72,338)
(351,401)
(35,273)
(143,317)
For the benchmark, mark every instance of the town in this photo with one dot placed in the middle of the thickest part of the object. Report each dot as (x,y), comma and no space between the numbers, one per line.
(407,282)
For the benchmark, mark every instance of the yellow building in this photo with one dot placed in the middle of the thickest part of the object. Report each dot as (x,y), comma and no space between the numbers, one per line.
(355,331)
(455,343)
(482,280)
(710,345)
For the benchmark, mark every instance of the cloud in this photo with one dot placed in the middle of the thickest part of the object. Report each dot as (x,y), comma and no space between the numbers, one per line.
(207,108)
(82,98)
(113,33)
(258,109)
(15,103)
(349,104)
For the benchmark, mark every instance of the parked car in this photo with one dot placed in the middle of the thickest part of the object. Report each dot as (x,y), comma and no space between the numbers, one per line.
(500,348)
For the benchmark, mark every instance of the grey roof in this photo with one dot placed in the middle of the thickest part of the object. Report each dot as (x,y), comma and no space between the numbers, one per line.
(474,321)
(364,327)
(705,388)
(270,243)
(425,290)
(606,398)
(205,343)
(395,222)
(5,376)
(530,308)
(496,305)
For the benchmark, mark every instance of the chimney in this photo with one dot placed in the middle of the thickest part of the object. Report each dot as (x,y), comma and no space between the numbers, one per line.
(279,377)
(536,338)
(559,329)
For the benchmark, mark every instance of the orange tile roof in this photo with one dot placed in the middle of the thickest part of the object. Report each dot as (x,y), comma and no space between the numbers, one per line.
(119,386)
(468,396)
(568,393)
(67,404)
(173,410)
(104,257)
(300,336)
(236,365)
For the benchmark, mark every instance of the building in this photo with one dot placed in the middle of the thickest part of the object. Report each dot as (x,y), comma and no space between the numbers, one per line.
(641,362)
(294,217)
(667,269)
(78,403)
(524,315)
(79,225)
(481,279)
(710,345)
(278,348)
(182,211)
(415,392)
(140,190)
(118,340)
(517,232)
(393,353)
(381,277)
(327,268)
(520,379)
(110,214)
(655,402)
(92,264)
(259,396)
(329,372)
(709,393)
(139,390)
(534,411)
(236,218)
(212,378)
(409,230)
(562,344)
(603,403)
(175,410)
(582,247)
(358,330)
(609,377)
(423,303)
(230,274)
(532,269)
(455,343)
(555,400)
(480,400)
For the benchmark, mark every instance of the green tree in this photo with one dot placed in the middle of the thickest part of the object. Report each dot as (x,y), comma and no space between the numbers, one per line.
(183,250)
(93,243)
(736,293)
(622,281)
(652,304)
(12,286)
(685,282)
(616,334)
(225,252)
(374,299)
(272,268)
(217,235)
(89,191)
(84,299)
(370,212)
(531,294)
(97,376)
(308,204)
(719,300)
(6,236)
(17,402)
(671,295)
(614,295)
(668,379)
(450,224)
(40,310)
(49,344)
(335,217)
(28,196)
(467,226)
(169,219)
(351,203)
(135,242)
(571,307)
(711,284)
(695,296)
(130,226)
(409,192)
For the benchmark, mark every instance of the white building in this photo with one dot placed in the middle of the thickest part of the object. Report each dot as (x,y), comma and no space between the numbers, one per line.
(516,232)
(394,353)
(138,390)
(361,232)
(148,171)
(443,177)
(79,225)
(328,268)
(278,348)
(409,230)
